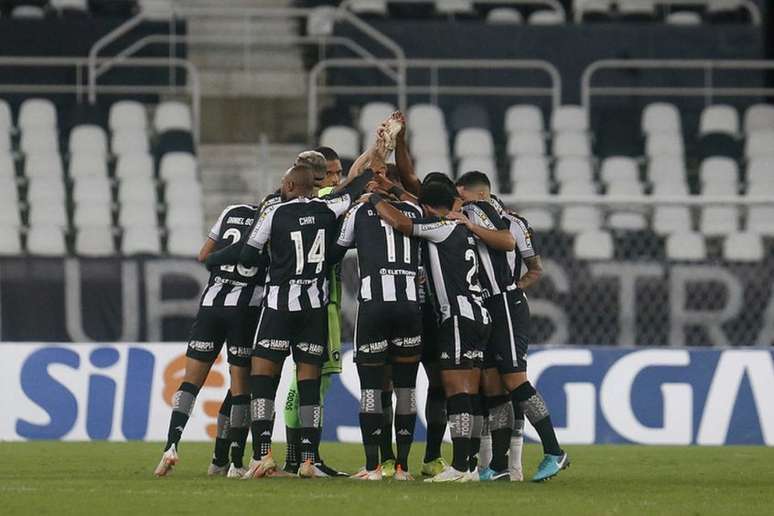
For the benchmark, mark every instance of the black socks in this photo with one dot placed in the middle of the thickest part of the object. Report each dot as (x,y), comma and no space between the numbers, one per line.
(182,405)
(527,400)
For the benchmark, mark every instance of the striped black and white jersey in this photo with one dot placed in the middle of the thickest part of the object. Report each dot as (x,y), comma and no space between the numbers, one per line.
(298,232)
(526,245)
(233,285)
(388,262)
(496,271)
(451,263)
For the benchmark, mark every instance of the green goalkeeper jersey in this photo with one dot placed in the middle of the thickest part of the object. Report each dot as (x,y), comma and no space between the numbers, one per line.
(333,364)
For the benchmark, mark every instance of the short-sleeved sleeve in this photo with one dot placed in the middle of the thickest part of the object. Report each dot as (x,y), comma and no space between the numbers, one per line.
(338,203)
(524,237)
(347,233)
(215,229)
(262,228)
(434,229)
(485,215)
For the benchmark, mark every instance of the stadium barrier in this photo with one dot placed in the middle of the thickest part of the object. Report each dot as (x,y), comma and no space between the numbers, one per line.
(662,396)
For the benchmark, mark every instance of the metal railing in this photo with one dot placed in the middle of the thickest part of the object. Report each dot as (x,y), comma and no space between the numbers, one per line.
(554,5)
(633,202)
(708,89)
(748,5)
(432,88)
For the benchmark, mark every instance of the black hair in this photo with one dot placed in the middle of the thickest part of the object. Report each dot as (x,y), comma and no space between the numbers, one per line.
(438,177)
(474,178)
(437,194)
(330,154)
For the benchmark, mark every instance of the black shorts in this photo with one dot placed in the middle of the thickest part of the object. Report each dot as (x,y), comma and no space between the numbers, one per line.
(215,325)
(461,342)
(387,330)
(304,333)
(430,352)
(509,340)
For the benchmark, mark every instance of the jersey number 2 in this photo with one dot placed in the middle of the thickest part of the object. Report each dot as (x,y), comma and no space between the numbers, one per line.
(316,253)
(235,236)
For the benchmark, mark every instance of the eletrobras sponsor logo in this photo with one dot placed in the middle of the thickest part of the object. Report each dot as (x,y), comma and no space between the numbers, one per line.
(595,395)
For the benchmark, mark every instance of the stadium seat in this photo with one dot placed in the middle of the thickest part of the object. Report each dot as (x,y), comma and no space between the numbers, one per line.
(483,164)
(719,118)
(569,118)
(71,6)
(576,219)
(93,214)
(683,18)
(9,212)
(539,219)
(7,167)
(504,16)
(546,17)
(139,188)
(671,219)
(88,139)
(719,220)
(92,189)
(28,11)
(126,141)
(659,145)
(9,193)
(39,113)
(10,243)
(526,189)
(619,168)
(719,170)
(425,118)
(426,164)
(183,192)
(43,165)
(526,143)
(46,189)
(175,140)
(473,142)
(530,168)
(524,117)
(743,247)
(184,215)
(138,213)
(726,11)
(83,164)
(5,142)
(373,114)
(573,169)
(184,242)
(37,140)
(720,188)
(369,7)
(178,166)
(661,169)
(660,117)
(760,219)
(47,213)
(759,144)
(134,165)
(140,240)
(429,144)
(760,170)
(172,115)
(127,115)
(157,9)
(593,245)
(688,246)
(343,139)
(671,188)
(626,220)
(46,240)
(6,122)
(454,7)
(758,117)
(469,115)
(624,188)
(94,242)
(637,10)
(576,187)
(595,10)
(567,144)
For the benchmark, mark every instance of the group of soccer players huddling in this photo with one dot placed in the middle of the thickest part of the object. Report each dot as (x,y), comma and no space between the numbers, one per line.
(441,284)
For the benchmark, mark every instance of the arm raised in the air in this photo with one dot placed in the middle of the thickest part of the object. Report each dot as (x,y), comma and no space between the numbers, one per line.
(408,175)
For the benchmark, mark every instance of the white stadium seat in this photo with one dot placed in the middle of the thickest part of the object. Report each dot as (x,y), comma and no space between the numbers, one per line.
(178,166)
(574,170)
(141,240)
(39,140)
(187,215)
(671,188)
(128,115)
(760,170)
(582,188)
(593,245)
(39,113)
(7,167)
(373,114)
(9,213)
(719,118)
(46,189)
(140,189)
(571,144)
(623,220)
(452,7)
(719,220)
(569,118)
(94,189)
(530,168)
(134,165)
(5,142)
(10,243)
(86,164)
(540,219)
(172,115)
(425,118)
(504,16)
(88,139)
(429,144)
(671,219)
(183,191)
(576,219)
(720,188)
(80,5)
(688,246)
(138,213)
(46,240)
(426,164)
(47,214)
(719,170)
(743,247)
(483,164)
(526,143)
(160,10)
(760,219)
(47,165)
(28,11)
(683,18)
(184,242)
(524,117)
(619,168)
(546,17)
(6,121)
(9,193)
(374,7)
(93,214)
(624,188)
(530,188)
(94,241)
(759,145)
(342,138)
(759,117)
(660,145)
(473,141)
(129,141)
(668,168)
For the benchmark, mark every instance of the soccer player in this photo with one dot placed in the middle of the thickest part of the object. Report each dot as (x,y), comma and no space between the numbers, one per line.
(505,358)
(464,323)
(388,329)
(293,317)
(228,312)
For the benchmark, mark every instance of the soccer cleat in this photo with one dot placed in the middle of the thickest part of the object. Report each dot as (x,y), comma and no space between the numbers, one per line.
(310,470)
(217,471)
(402,475)
(364,474)
(434,467)
(449,475)
(550,466)
(485,474)
(260,468)
(516,475)
(235,472)
(388,468)
(168,461)
(329,471)
(472,476)
(290,467)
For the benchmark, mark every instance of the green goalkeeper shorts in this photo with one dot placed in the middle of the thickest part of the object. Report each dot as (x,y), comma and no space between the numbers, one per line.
(333,364)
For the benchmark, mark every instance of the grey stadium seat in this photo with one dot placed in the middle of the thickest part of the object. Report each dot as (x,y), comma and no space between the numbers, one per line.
(689,246)
(540,219)
(47,214)
(184,242)
(743,247)
(760,219)
(524,117)
(92,215)
(92,189)
(178,166)
(140,240)
(39,140)
(719,118)
(593,245)
(526,143)
(45,189)
(372,114)
(671,219)
(575,219)
(9,213)
(88,139)
(94,241)
(574,169)
(719,220)
(138,214)
(172,115)
(87,164)
(46,240)
(129,141)
(344,139)
(134,165)
(184,216)
(473,141)
(128,114)
(38,113)
(141,189)
(759,117)
(10,243)
(569,118)
(44,165)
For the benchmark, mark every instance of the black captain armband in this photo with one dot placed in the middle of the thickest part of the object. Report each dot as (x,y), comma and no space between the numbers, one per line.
(375,198)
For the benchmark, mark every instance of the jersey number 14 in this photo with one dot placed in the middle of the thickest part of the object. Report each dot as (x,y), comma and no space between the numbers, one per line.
(316,252)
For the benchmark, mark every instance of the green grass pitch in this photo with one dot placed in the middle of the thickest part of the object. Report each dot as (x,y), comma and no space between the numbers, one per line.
(116,478)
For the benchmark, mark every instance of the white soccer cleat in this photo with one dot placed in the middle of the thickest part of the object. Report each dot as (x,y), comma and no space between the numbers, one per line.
(217,471)
(309,470)
(449,475)
(402,475)
(260,468)
(168,461)
(364,474)
(472,476)
(235,472)
(516,475)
